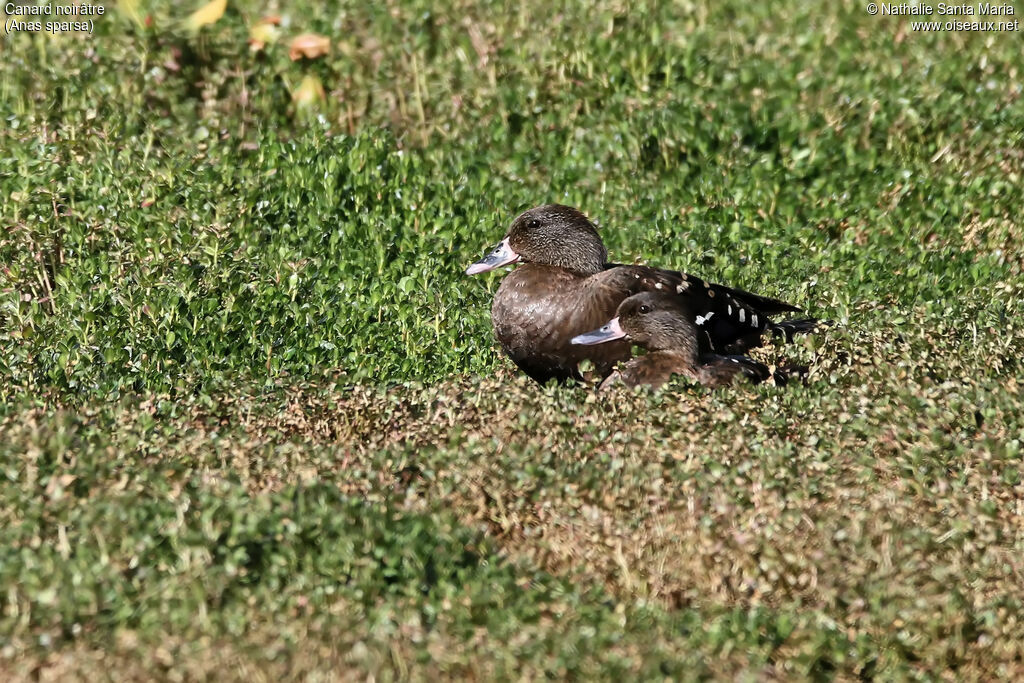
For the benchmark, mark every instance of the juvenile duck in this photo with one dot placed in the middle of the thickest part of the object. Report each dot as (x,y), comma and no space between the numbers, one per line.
(676,341)
(564,286)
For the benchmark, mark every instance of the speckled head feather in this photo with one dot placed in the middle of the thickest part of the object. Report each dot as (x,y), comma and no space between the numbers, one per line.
(557,235)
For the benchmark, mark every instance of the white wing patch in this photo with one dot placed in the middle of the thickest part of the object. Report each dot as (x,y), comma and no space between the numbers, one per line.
(701,319)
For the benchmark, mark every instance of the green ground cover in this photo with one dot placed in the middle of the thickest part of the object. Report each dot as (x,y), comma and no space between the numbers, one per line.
(254,424)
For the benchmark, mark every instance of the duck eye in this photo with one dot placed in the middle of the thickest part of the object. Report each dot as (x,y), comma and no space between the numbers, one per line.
(533,223)
(645,309)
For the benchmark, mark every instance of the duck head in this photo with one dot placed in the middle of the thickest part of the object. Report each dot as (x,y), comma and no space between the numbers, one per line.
(653,320)
(551,235)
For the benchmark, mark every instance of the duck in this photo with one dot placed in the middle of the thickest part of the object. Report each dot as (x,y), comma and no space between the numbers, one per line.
(562,286)
(677,344)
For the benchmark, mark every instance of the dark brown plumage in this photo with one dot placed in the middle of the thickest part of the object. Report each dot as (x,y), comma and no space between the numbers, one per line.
(671,331)
(565,287)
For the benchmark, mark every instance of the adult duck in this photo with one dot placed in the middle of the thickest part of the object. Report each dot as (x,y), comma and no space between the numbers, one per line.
(563,286)
(673,334)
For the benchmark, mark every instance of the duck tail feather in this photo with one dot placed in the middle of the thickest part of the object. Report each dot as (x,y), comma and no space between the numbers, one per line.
(790,328)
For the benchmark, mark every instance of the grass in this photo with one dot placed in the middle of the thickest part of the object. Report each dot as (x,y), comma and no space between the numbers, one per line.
(254,424)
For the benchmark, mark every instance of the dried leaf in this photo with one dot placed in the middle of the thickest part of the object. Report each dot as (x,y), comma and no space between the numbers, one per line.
(206,15)
(309,45)
(309,92)
(261,34)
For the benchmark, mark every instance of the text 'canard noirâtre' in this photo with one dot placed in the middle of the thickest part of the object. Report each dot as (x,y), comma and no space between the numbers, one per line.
(14,10)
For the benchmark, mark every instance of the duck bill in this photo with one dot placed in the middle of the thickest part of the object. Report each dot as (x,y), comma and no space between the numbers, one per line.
(609,332)
(501,256)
